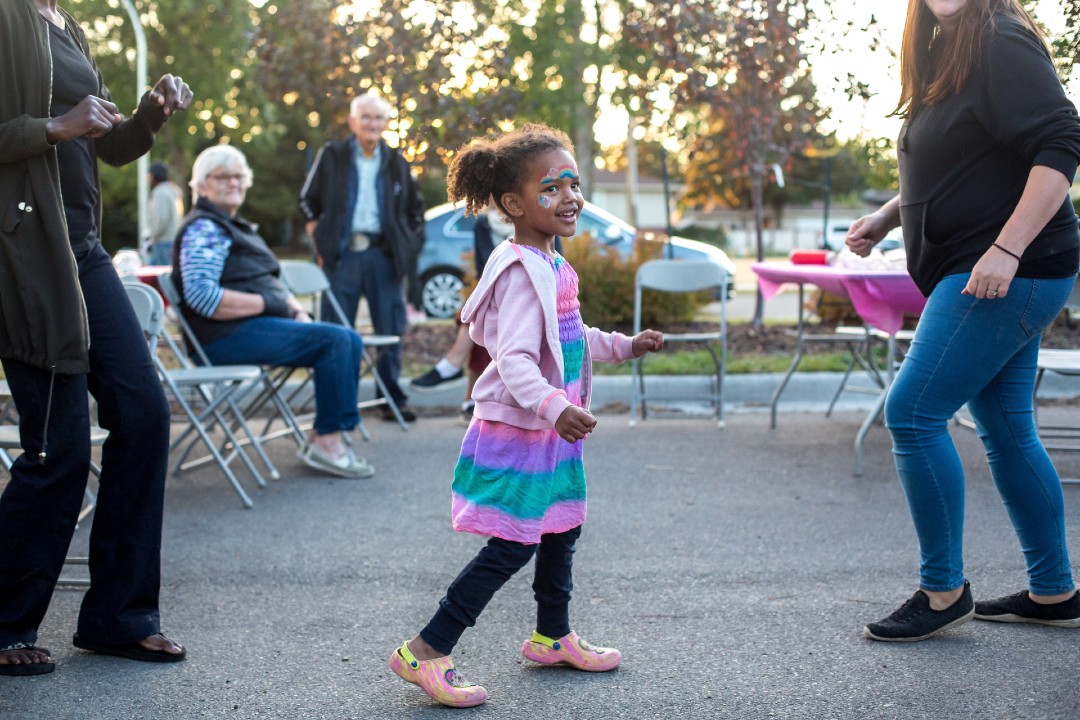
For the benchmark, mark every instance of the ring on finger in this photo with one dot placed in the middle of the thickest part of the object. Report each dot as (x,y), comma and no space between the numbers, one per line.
(992,293)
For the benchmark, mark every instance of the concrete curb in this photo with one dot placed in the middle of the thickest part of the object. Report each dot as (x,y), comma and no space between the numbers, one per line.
(806,392)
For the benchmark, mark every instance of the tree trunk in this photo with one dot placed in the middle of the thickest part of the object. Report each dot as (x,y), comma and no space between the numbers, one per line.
(757,192)
(584,113)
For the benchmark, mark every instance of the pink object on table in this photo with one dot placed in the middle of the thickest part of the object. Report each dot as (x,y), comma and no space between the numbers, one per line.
(809,257)
(880,297)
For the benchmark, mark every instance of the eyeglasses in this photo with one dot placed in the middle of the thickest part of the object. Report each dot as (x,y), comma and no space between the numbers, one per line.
(226,178)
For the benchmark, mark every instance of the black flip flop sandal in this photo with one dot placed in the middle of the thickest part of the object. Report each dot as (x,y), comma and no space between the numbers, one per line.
(131,650)
(24,669)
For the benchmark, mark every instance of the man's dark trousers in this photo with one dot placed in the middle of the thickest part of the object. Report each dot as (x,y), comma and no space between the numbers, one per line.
(370,274)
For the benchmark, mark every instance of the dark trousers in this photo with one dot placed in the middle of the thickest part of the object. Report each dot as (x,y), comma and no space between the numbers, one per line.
(370,274)
(496,563)
(39,507)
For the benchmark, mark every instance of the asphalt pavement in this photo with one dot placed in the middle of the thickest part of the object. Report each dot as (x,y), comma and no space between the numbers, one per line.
(734,568)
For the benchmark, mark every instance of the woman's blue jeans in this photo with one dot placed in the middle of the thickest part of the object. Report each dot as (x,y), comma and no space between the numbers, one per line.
(983,353)
(332,351)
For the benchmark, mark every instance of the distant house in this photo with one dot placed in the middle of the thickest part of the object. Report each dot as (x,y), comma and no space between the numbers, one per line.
(609,191)
(801,227)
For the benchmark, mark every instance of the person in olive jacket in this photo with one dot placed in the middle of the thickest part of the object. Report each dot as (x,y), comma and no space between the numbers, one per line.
(66,329)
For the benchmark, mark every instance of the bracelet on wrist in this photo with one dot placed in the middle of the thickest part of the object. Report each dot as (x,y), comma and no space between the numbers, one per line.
(1007,251)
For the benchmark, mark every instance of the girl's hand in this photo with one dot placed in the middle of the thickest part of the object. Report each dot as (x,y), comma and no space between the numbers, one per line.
(991,276)
(574,424)
(647,341)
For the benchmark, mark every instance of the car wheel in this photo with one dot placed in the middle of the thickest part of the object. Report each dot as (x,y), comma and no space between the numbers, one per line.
(442,294)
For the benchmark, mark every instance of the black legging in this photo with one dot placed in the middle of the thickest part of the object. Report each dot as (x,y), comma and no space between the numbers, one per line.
(496,563)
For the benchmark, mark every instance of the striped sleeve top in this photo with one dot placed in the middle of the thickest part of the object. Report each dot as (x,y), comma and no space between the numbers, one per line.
(203,251)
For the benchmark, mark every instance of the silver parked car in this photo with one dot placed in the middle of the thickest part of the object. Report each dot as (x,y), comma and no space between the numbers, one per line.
(450,236)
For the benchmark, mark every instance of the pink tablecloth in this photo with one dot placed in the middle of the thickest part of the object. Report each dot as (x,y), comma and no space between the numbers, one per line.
(880,297)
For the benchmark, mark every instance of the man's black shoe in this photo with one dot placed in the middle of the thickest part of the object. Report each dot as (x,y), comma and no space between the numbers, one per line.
(1020,608)
(387,414)
(432,379)
(916,620)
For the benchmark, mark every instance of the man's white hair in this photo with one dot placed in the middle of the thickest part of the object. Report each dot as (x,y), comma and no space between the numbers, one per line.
(366,99)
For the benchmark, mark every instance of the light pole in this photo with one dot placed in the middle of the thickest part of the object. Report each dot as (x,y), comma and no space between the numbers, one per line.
(142,165)
(667,201)
(826,154)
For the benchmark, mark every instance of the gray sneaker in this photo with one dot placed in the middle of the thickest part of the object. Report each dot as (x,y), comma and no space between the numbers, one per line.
(1020,608)
(346,465)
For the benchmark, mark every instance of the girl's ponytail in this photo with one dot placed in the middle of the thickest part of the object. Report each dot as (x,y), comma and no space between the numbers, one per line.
(483,170)
(472,174)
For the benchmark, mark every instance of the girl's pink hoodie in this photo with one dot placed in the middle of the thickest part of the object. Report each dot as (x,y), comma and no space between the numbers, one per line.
(512,314)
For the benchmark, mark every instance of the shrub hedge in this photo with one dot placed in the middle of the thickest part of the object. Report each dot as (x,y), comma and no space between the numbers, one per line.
(606,287)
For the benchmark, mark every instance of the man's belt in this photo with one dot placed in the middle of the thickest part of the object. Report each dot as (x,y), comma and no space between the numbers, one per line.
(359,242)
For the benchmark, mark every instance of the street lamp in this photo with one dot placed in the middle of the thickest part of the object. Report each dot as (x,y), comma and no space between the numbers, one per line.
(826,154)
(142,165)
(667,201)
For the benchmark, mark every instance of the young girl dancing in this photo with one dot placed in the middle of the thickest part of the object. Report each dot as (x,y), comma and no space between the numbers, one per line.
(520,478)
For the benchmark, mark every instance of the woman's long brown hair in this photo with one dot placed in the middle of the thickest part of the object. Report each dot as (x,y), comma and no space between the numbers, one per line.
(923,82)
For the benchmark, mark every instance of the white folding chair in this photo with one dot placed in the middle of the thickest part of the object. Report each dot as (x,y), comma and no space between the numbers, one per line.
(270,389)
(215,386)
(306,279)
(1058,438)
(1063,438)
(682,276)
(10,440)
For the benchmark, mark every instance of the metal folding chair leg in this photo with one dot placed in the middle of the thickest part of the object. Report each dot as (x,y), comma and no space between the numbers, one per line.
(211,446)
(382,395)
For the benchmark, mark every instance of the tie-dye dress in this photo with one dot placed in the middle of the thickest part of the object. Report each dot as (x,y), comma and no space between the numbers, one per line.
(518,484)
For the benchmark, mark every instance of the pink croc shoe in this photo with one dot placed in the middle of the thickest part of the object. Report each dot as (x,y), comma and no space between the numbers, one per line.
(570,650)
(438,678)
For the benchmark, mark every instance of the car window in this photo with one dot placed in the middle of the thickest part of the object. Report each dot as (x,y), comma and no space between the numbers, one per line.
(461,224)
(597,228)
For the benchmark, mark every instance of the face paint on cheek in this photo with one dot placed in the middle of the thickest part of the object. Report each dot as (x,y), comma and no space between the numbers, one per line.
(543,201)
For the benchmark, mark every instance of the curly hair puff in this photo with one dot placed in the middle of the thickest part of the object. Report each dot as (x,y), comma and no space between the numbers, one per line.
(484,169)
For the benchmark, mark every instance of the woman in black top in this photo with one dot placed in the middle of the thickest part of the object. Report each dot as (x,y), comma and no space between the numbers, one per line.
(988,150)
(68,329)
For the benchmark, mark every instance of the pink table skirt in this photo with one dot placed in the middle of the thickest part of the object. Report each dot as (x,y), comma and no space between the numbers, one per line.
(880,297)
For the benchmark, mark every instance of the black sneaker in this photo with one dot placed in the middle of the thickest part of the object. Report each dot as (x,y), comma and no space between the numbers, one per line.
(1020,608)
(432,379)
(385,413)
(466,414)
(916,620)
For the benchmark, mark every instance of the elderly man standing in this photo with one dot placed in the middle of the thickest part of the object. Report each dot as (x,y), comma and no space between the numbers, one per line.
(366,215)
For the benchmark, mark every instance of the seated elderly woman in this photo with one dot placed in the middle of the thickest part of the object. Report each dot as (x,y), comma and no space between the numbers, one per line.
(242,314)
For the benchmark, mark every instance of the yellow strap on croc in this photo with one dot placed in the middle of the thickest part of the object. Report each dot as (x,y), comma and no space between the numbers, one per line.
(545,640)
(410,659)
